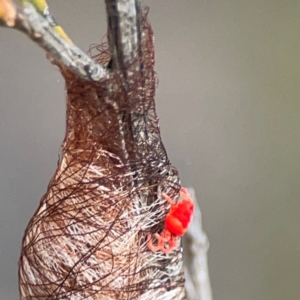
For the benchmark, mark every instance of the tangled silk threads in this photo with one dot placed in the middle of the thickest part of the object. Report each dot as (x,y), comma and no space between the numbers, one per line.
(88,237)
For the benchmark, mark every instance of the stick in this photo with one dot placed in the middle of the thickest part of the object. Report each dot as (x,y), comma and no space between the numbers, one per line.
(195,258)
(26,19)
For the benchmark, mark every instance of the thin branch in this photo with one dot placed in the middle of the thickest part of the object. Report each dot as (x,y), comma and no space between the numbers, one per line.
(124,20)
(25,18)
(195,255)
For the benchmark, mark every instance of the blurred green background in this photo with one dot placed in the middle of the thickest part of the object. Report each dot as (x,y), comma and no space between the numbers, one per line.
(228,102)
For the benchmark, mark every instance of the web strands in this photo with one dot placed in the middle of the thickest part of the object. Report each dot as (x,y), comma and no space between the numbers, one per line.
(87,239)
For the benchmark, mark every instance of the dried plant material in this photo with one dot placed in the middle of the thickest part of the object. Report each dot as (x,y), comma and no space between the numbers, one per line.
(88,237)
(195,258)
(51,38)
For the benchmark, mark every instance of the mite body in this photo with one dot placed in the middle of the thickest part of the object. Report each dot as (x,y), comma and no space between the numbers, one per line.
(176,223)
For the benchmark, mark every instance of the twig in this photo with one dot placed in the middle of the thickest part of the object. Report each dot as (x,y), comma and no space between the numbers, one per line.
(26,19)
(195,258)
(124,20)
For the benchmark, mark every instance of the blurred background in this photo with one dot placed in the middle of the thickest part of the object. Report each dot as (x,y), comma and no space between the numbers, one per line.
(228,102)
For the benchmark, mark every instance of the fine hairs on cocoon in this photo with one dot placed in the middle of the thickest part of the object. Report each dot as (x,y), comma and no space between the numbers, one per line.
(88,237)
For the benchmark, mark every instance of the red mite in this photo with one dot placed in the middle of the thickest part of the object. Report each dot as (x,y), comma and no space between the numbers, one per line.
(176,223)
